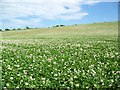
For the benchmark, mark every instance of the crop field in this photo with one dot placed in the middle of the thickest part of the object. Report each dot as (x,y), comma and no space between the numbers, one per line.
(81,56)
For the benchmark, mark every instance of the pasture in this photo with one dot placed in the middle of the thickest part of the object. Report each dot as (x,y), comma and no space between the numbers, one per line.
(79,56)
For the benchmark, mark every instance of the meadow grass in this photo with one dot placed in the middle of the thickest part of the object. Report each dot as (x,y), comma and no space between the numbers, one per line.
(81,56)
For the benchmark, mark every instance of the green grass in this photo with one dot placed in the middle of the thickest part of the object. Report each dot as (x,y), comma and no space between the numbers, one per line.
(82,56)
(98,29)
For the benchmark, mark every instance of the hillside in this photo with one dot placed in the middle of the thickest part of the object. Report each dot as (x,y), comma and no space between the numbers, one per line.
(98,29)
(82,56)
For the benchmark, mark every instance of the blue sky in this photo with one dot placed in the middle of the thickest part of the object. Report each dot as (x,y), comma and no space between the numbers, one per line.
(48,13)
(100,12)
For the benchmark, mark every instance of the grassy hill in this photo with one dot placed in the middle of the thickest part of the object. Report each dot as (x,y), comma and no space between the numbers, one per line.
(98,29)
(81,56)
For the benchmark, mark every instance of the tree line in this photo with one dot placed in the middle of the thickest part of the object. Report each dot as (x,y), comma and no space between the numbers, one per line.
(7,29)
(27,28)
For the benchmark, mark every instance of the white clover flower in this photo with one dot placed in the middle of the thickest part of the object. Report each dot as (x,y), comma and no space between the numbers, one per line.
(17,66)
(88,71)
(71,83)
(43,82)
(75,76)
(48,65)
(62,60)
(112,80)
(117,72)
(9,68)
(110,85)
(11,78)
(54,63)
(21,81)
(68,88)
(103,83)
(25,72)
(31,54)
(78,45)
(71,79)
(7,84)
(92,65)
(56,69)
(101,80)
(17,87)
(76,85)
(0,68)
(49,59)
(18,74)
(43,79)
(55,74)
(55,78)
(31,78)
(75,53)
(26,83)
(113,72)
(95,85)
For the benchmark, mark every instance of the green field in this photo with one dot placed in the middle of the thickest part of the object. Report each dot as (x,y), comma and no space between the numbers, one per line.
(81,56)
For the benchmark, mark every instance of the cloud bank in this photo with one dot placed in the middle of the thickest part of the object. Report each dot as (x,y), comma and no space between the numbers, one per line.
(20,13)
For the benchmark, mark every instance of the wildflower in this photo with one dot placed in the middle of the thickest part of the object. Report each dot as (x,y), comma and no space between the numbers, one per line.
(101,80)
(31,78)
(18,74)
(26,83)
(17,87)
(7,84)
(43,79)
(76,85)
(9,68)
(43,82)
(75,76)
(55,74)
(25,72)
(71,83)
(112,80)
(49,59)
(11,78)
(54,62)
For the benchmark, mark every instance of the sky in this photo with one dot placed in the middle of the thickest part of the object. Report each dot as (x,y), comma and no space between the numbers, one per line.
(47,13)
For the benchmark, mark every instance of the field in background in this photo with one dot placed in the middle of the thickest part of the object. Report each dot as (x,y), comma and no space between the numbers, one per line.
(81,56)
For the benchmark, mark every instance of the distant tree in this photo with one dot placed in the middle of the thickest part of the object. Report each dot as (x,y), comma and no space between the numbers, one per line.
(57,25)
(14,29)
(0,29)
(27,28)
(94,22)
(19,29)
(62,25)
(75,24)
(7,29)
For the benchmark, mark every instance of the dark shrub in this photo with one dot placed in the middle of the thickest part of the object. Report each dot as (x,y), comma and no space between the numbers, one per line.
(19,29)
(62,25)
(14,29)
(27,28)
(7,29)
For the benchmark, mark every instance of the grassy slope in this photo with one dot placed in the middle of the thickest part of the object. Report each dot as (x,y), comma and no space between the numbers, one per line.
(88,52)
(98,29)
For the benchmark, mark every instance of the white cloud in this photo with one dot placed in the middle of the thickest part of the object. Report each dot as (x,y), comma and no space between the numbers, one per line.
(28,12)
(48,1)
(21,23)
